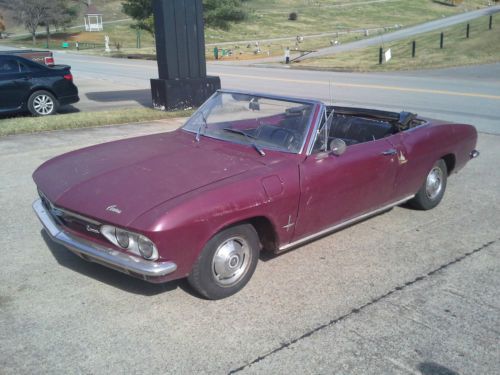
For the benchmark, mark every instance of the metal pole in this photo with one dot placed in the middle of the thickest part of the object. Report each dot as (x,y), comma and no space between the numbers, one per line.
(441,43)
(468,31)
(491,21)
(380,54)
(138,41)
(413,48)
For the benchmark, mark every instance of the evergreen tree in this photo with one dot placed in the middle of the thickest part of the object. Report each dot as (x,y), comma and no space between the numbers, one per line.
(216,13)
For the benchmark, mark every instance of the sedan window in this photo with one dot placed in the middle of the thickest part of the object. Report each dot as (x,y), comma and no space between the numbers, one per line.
(9,66)
(23,67)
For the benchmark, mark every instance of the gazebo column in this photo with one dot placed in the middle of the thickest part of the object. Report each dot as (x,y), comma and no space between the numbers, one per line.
(180,51)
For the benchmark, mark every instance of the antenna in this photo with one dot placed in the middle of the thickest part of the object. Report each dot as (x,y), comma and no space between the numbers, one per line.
(330,91)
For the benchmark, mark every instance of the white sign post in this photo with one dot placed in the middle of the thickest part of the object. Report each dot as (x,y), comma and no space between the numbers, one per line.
(388,55)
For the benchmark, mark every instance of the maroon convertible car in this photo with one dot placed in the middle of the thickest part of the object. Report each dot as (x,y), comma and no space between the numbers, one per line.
(247,172)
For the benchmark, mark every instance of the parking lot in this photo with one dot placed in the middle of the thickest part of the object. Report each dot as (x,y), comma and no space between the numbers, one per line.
(404,292)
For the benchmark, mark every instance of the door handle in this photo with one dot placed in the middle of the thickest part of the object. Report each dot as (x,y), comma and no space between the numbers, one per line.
(390,152)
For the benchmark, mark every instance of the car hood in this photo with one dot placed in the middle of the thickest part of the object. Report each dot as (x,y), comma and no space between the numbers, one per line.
(118,181)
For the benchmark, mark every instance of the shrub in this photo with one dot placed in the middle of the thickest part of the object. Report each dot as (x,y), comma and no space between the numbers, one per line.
(293,16)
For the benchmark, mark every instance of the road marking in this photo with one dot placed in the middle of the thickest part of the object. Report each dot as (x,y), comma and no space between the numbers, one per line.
(365,86)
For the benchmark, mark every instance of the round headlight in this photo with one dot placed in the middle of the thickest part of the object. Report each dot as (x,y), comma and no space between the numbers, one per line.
(146,247)
(123,238)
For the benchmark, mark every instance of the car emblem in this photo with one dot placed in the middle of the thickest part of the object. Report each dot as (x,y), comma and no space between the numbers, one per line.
(402,158)
(114,209)
(290,224)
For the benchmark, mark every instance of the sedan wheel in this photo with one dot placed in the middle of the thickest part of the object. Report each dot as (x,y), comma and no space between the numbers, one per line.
(42,103)
(432,191)
(226,263)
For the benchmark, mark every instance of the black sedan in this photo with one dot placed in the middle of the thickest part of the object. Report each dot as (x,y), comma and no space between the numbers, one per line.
(27,85)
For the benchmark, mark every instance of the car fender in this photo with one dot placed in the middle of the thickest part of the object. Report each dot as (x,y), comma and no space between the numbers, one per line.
(181,227)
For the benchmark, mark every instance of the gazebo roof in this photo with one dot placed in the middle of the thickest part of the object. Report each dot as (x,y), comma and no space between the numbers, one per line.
(92,11)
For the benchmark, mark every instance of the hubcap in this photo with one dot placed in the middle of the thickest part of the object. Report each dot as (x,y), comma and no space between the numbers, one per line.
(434,183)
(231,261)
(43,104)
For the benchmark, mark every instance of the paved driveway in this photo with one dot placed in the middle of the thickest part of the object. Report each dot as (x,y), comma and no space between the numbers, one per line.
(404,292)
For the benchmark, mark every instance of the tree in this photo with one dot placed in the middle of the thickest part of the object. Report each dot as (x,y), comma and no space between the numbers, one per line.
(2,25)
(29,13)
(216,13)
(220,13)
(35,13)
(142,12)
(58,14)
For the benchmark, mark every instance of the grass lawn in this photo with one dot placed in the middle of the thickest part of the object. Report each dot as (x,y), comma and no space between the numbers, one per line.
(269,18)
(483,46)
(18,125)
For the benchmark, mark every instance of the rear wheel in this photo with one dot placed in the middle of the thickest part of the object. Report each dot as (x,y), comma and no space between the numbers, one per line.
(226,263)
(432,191)
(42,103)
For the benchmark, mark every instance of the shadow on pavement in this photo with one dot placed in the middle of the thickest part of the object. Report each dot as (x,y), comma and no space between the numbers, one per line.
(111,277)
(67,109)
(143,97)
(431,368)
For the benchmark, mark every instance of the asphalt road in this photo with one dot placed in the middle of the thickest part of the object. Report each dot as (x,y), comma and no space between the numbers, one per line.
(404,292)
(470,95)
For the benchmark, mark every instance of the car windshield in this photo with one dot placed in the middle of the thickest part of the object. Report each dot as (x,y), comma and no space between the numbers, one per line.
(264,123)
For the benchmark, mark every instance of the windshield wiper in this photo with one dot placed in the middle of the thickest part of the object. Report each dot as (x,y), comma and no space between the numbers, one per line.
(202,125)
(248,138)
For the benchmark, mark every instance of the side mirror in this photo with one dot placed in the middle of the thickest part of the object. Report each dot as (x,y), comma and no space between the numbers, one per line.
(337,146)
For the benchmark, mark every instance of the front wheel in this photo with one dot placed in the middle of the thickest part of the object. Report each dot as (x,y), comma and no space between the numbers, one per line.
(226,263)
(42,103)
(432,191)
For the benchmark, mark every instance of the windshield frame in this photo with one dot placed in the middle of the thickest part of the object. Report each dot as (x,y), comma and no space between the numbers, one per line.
(312,120)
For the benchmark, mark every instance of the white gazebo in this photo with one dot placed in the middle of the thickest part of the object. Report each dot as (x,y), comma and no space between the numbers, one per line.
(93,19)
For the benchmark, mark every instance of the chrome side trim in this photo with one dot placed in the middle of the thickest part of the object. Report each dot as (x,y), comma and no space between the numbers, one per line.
(343,224)
(106,256)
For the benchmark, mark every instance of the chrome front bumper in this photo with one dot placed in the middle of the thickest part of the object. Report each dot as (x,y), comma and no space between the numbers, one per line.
(109,257)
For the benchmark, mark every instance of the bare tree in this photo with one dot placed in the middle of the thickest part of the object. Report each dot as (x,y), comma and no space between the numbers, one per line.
(35,13)
(29,13)
(58,13)
(87,3)
(2,25)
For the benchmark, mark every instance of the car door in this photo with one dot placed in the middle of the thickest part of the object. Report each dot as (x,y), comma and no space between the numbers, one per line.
(15,83)
(335,189)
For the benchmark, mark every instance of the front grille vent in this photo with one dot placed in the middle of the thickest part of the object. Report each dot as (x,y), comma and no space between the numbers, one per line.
(72,220)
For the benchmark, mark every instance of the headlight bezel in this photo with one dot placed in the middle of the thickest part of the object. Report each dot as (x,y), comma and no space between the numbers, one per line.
(111,232)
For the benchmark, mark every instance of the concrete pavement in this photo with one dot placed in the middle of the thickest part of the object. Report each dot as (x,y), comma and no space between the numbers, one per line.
(406,291)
